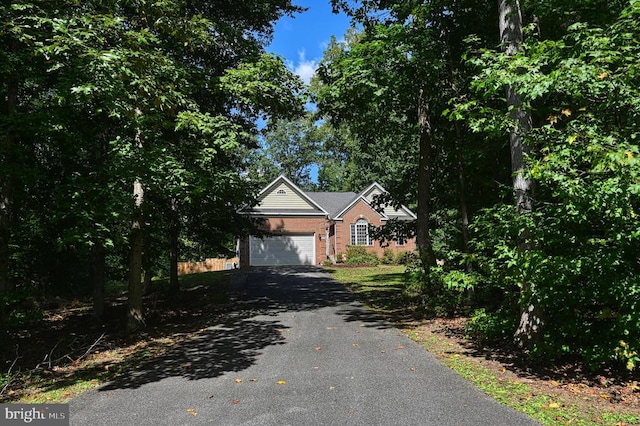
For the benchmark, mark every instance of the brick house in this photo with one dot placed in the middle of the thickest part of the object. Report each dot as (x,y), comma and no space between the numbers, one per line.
(306,228)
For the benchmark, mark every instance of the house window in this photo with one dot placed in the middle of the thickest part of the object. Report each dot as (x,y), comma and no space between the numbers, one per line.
(360,233)
(281,192)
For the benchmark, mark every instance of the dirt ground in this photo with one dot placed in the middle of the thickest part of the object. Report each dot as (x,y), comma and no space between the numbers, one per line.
(568,383)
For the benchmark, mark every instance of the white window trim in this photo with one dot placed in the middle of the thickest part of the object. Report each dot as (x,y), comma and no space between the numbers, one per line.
(355,241)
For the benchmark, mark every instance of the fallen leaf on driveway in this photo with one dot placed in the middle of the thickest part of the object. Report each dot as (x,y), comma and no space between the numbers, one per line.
(399,347)
(192,412)
(318,348)
(412,369)
(281,382)
(355,345)
(236,401)
(238,380)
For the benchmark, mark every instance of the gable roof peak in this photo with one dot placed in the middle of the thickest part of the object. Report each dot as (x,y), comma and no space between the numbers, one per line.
(373,185)
(282,179)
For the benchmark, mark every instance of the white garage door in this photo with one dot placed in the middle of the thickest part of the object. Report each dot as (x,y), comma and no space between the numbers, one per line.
(283,250)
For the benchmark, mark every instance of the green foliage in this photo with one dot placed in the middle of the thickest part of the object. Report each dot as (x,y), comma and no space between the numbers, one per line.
(265,88)
(22,308)
(388,256)
(4,379)
(491,327)
(288,148)
(359,255)
(627,355)
(581,263)
(406,257)
(95,96)
(575,256)
(361,80)
(397,257)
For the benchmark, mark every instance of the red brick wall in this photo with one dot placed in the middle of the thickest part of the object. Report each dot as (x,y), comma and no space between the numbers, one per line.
(317,225)
(362,210)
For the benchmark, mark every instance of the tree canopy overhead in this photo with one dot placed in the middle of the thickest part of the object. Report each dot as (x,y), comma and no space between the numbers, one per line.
(123,115)
(128,130)
(517,139)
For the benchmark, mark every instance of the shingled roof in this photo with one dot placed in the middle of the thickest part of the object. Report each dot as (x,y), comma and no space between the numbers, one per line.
(284,198)
(332,202)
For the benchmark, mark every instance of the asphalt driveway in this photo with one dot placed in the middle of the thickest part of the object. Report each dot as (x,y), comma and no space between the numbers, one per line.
(297,350)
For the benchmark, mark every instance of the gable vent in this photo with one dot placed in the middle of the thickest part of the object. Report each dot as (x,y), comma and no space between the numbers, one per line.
(281,192)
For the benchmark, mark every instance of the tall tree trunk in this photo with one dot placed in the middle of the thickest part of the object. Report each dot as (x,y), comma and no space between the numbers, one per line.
(98,276)
(174,233)
(135,315)
(423,234)
(529,331)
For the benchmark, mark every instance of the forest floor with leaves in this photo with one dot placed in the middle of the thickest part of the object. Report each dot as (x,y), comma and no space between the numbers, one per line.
(66,352)
(554,394)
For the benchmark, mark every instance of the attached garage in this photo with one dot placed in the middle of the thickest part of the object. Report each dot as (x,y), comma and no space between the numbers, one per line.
(282,250)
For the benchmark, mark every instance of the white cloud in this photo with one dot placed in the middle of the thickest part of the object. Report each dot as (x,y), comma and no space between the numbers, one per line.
(306,68)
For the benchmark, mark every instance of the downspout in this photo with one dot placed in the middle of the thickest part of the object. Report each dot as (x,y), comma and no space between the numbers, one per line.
(335,240)
(327,242)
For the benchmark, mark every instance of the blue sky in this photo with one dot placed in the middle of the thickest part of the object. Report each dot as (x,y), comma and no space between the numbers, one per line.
(301,40)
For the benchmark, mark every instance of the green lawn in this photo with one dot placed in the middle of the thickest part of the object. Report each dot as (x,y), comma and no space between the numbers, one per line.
(380,287)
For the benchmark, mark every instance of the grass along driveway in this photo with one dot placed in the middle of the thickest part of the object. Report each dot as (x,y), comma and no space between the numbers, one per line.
(560,396)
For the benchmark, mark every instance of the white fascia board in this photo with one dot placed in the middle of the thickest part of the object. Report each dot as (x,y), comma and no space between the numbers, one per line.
(351,204)
(373,185)
(254,213)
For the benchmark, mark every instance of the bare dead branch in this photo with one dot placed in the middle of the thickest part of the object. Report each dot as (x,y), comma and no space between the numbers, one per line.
(11,378)
(91,347)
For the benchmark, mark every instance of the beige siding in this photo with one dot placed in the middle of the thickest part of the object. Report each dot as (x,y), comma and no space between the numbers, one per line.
(388,210)
(290,200)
